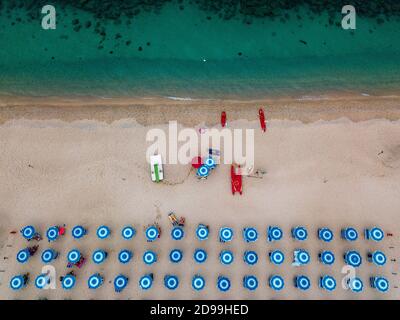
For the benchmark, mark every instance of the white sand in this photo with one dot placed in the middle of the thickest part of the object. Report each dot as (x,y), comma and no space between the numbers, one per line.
(86,172)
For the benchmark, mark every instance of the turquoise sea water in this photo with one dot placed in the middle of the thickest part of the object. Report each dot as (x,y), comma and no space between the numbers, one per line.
(181,50)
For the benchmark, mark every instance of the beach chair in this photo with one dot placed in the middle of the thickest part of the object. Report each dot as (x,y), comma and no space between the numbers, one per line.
(236,180)
(156,167)
(174,220)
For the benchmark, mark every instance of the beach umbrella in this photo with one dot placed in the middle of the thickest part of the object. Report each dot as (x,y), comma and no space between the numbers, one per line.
(250,257)
(17,282)
(226,257)
(48,255)
(379,283)
(377,257)
(120,282)
(177,233)
(203,171)
(198,283)
(250,234)
(200,255)
(74,256)
(99,256)
(125,256)
(302,282)
(171,282)
(353,258)
(327,257)
(327,282)
(276,257)
(78,232)
(274,233)
(299,233)
(103,232)
(375,234)
(325,234)
(149,257)
(223,283)
(95,281)
(146,282)
(197,162)
(52,233)
(250,282)
(349,234)
(23,255)
(355,284)
(28,232)
(210,163)
(175,255)
(202,232)
(301,257)
(225,234)
(128,232)
(68,282)
(42,280)
(152,233)
(276,282)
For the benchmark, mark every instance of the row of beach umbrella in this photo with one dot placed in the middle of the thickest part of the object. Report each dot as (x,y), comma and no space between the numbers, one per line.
(171,282)
(226,234)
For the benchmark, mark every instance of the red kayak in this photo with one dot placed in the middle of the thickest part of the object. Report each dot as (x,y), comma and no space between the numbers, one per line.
(262,119)
(223,119)
(236,181)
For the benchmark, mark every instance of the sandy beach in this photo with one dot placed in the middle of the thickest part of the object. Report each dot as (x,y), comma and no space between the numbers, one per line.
(332,161)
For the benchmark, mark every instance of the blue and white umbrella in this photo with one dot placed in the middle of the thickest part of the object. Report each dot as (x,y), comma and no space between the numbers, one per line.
(327,257)
(353,258)
(103,232)
(377,257)
(299,233)
(68,282)
(223,283)
(276,257)
(274,233)
(17,282)
(128,232)
(375,234)
(78,232)
(250,257)
(355,284)
(327,282)
(250,282)
(152,233)
(23,255)
(42,280)
(99,256)
(120,282)
(28,232)
(175,255)
(349,234)
(203,172)
(49,255)
(171,282)
(149,257)
(125,256)
(202,232)
(198,282)
(210,163)
(74,256)
(276,282)
(225,234)
(200,255)
(52,233)
(325,234)
(250,234)
(301,257)
(226,257)
(380,283)
(177,233)
(95,281)
(146,282)
(302,282)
